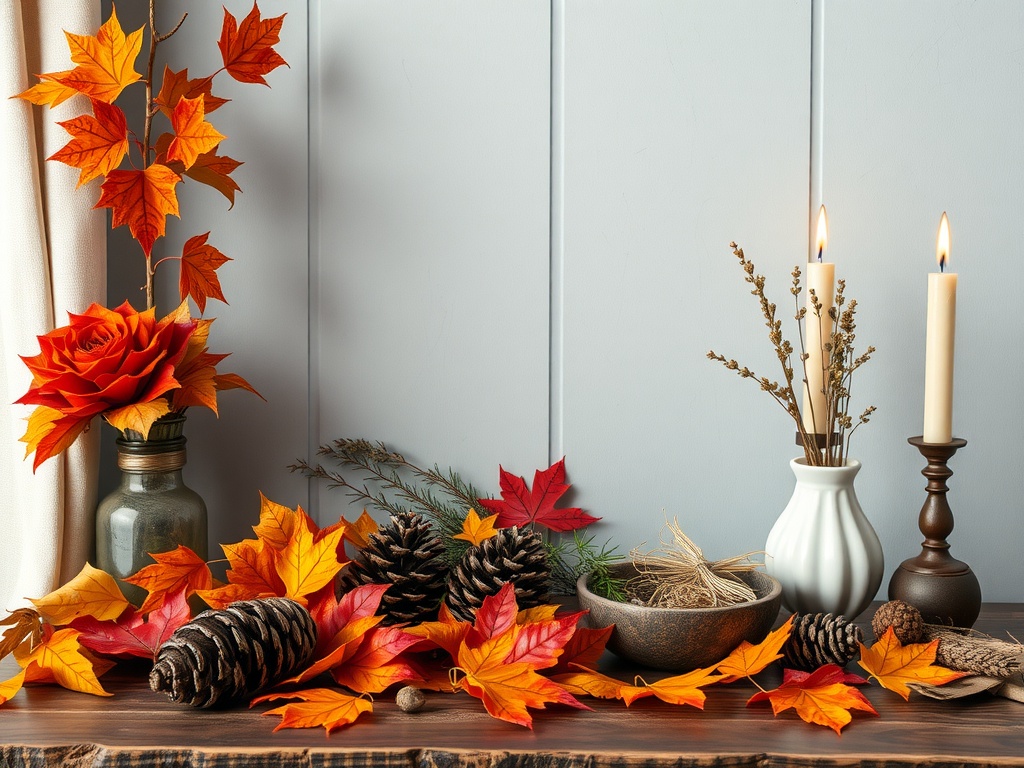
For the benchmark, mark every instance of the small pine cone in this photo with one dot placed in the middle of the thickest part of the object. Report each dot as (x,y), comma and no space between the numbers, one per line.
(409,555)
(819,639)
(228,655)
(905,620)
(512,556)
(975,653)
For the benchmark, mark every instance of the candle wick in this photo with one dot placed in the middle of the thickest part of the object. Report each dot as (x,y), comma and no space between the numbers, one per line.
(820,251)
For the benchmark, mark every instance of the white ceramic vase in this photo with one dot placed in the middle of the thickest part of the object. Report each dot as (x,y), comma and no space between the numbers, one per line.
(822,548)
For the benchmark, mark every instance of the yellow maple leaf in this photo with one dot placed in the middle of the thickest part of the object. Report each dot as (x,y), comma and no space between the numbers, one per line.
(359,531)
(308,564)
(748,659)
(894,665)
(61,659)
(91,593)
(475,530)
(138,416)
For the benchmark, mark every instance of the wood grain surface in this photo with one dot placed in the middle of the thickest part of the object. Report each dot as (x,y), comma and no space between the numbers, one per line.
(46,725)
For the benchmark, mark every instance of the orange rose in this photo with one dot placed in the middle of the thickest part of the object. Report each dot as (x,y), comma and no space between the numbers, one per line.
(119,363)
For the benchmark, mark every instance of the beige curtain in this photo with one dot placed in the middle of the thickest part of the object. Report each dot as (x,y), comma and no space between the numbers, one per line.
(52,260)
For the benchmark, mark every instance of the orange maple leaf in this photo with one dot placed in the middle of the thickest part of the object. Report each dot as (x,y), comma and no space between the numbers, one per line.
(587,682)
(215,170)
(223,596)
(199,264)
(175,86)
(139,417)
(49,90)
(541,642)
(277,522)
(822,697)
(91,593)
(194,136)
(99,143)
(447,633)
(179,569)
(584,648)
(320,707)
(747,659)
(61,659)
(373,666)
(307,564)
(680,689)
(507,690)
(142,200)
(196,373)
(894,665)
(247,48)
(253,565)
(357,532)
(475,530)
(106,61)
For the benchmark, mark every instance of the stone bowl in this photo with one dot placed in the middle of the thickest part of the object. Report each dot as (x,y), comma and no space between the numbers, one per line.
(682,639)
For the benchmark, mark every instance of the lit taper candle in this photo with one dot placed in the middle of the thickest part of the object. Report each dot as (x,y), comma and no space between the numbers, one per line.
(938,359)
(820,279)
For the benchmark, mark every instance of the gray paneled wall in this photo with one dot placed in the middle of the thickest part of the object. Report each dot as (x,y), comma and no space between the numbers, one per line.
(518,247)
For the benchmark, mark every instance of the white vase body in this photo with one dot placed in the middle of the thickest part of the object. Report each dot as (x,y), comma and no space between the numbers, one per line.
(822,548)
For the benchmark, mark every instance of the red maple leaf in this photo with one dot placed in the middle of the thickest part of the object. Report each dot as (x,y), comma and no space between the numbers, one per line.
(133,633)
(247,48)
(199,264)
(521,506)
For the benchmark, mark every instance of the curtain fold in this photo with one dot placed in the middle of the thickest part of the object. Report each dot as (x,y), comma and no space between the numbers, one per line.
(52,261)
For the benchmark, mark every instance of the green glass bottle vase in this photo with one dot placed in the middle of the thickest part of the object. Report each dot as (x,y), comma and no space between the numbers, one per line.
(152,511)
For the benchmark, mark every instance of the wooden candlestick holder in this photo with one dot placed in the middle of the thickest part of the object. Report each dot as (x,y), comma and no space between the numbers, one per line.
(944,589)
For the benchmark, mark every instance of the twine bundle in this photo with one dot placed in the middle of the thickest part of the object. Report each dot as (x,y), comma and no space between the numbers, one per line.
(677,575)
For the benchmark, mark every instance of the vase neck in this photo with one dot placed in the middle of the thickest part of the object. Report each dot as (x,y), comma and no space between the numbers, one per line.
(825,476)
(151,456)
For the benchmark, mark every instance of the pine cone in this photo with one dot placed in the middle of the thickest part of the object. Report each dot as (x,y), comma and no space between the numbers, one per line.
(512,556)
(409,555)
(819,639)
(974,652)
(228,655)
(905,620)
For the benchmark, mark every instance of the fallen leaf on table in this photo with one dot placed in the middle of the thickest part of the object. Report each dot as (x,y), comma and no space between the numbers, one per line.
(821,697)
(747,659)
(134,633)
(319,707)
(895,665)
(60,659)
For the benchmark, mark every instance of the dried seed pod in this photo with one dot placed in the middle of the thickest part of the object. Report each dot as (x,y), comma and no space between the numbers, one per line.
(229,655)
(905,620)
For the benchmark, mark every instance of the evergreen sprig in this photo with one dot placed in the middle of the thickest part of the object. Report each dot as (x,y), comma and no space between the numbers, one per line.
(571,559)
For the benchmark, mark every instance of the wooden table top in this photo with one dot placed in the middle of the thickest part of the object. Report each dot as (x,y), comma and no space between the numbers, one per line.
(48,725)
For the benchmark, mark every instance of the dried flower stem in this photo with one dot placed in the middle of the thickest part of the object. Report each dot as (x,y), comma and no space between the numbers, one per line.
(839,361)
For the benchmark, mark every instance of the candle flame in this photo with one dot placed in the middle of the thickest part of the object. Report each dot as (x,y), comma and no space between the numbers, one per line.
(822,240)
(942,243)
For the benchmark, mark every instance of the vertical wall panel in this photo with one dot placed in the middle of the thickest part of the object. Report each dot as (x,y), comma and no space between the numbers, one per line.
(431,153)
(686,126)
(922,114)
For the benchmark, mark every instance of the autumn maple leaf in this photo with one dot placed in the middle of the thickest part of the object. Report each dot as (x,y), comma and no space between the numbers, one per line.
(475,530)
(325,707)
(584,648)
(521,506)
(142,200)
(822,697)
(106,65)
(24,623)
(175,86)
(134,633)
(199,264)
(895,665)
(177,570)
(748,659)
(375,665)
(193,135)
(247,48)
(60,659)
(91,593)
(99,142)
(358,531)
